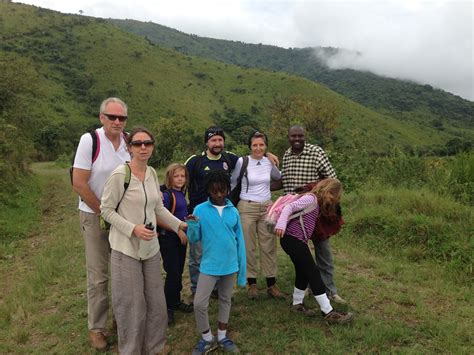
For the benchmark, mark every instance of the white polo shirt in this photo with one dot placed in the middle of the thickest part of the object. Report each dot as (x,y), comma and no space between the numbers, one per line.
(106,162)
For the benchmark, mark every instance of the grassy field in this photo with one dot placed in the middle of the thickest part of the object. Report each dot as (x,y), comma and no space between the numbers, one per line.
(401,305)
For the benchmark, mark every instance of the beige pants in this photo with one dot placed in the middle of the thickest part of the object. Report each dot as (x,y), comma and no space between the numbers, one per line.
(252,216)
(139,304)
(97,264)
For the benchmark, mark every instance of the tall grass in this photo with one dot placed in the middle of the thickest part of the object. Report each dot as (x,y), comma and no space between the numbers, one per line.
(447,176)
(21,214)
(416,223)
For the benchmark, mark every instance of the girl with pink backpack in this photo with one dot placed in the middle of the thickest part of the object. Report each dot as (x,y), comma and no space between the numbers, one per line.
(295,226)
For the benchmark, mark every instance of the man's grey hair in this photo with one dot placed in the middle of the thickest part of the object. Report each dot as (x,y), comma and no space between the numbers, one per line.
(104,104)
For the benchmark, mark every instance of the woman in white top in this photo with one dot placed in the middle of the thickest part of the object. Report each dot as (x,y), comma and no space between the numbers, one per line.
(137,286)
(254,200)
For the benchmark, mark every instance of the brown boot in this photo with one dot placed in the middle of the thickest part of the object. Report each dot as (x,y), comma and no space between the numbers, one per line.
(274,291)
(97,340)
(252,292)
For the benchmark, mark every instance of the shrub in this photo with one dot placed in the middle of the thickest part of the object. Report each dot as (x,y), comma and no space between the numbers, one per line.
(412,221)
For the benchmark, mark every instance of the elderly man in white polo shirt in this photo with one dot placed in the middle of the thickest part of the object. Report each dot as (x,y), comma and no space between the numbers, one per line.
(91,169)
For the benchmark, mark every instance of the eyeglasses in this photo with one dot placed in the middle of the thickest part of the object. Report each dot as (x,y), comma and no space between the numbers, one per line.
(115,117)
(147,143)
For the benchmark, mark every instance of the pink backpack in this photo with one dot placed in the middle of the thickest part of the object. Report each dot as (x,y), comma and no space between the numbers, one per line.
(274,211)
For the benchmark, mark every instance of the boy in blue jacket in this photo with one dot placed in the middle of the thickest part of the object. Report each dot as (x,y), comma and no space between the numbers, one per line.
(216,224)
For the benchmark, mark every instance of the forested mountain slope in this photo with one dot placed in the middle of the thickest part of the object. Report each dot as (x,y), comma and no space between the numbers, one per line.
(57,68)
(403,100)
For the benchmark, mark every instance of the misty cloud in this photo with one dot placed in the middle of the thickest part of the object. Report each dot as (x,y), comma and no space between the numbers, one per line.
(427,44)
(430,42)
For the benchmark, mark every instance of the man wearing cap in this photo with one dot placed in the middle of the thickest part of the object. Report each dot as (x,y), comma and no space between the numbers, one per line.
(91,170)
(213,158)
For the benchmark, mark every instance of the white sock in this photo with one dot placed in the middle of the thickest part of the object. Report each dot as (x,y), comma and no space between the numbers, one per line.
(324,303)
(298,296)
(221,334)
(207,336)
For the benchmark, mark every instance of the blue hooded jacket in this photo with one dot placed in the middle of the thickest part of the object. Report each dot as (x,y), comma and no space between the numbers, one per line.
(222,240)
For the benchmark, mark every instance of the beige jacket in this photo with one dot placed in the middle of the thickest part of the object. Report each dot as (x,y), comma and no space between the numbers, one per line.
(141,204)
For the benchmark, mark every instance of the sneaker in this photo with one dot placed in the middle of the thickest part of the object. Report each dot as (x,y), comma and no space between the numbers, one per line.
(228,346)
(204,347)
(300,308)
(184,307)
(335,317)
(274,292)
(337,299)
(252,292)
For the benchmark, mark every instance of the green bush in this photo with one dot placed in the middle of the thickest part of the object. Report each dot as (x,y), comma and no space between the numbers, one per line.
(414,222)
(15,152)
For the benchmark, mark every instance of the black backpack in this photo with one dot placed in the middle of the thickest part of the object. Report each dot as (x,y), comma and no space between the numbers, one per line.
(172,208)
(234,195)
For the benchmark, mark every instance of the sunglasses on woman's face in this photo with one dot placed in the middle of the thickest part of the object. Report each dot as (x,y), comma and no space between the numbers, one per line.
(147,143)
(115,117)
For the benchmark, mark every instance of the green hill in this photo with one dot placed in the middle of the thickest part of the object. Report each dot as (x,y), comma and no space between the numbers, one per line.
(403,100)
(70,63)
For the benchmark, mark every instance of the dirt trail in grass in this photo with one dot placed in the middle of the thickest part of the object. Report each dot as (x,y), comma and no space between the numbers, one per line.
(55,196)
(400,306)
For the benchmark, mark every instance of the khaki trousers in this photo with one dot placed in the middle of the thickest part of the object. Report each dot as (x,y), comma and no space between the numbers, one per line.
(139,303)
(252,216)
(97,249)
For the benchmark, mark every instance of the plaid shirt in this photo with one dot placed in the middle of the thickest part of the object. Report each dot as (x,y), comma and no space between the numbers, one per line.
(311,165)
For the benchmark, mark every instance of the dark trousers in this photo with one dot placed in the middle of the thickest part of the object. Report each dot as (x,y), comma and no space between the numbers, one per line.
(306,271)
(173,254)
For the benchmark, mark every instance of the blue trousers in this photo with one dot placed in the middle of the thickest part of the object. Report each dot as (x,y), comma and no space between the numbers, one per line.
(173,254)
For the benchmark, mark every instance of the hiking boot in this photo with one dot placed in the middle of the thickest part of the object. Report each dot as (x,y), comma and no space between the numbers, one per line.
(170,317)
(252,292)
(337,299)
(335,317)
(114,325)
(184,307)
(204,347)
(274,292)
(191,298)
(300,308)
(228,346)
(97,340)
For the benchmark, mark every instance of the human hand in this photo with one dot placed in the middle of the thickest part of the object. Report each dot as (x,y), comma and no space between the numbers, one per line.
(182,237)
(141,232)
(273,159)
(183,226)
(279,233)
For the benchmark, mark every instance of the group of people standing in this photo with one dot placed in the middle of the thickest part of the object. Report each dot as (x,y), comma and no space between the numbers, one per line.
(114,182)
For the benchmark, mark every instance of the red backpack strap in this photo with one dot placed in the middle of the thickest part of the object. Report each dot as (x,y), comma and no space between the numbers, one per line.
(95,145)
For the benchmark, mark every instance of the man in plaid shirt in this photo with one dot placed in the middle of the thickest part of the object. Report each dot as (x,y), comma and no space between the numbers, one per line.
(303,163)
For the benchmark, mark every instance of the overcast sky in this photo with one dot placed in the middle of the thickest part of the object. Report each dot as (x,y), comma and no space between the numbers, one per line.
(430,42)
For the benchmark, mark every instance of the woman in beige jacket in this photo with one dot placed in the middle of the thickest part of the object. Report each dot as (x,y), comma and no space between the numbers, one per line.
(137,286)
